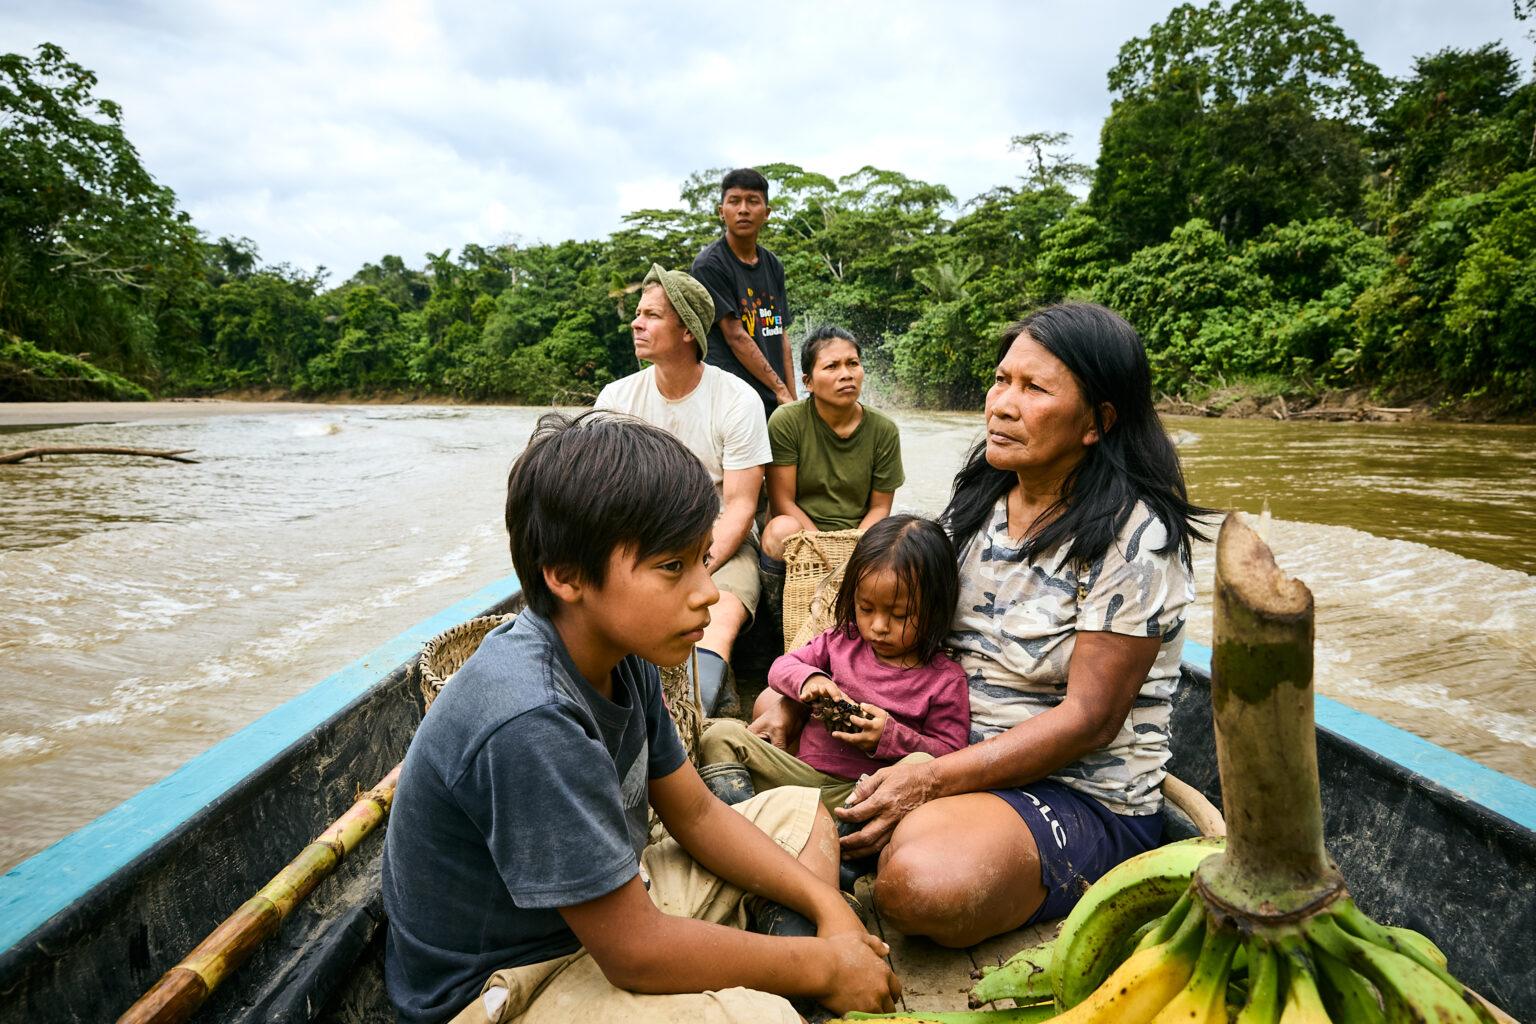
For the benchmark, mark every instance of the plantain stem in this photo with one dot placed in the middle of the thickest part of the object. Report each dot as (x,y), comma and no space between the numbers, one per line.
(1275,865)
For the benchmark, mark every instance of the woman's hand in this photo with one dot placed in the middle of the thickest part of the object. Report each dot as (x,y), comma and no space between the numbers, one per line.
(820,687)
(871,727)
(882,800)
(779,721)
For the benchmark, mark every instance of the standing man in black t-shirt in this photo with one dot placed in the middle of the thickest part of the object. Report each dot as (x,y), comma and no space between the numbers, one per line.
(749,337)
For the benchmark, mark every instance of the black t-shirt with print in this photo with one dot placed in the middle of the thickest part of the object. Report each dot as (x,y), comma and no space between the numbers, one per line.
(756,295)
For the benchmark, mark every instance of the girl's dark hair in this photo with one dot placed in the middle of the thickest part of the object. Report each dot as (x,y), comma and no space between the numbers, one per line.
(920,553)
(590,484)
(819,338)
(1134,460)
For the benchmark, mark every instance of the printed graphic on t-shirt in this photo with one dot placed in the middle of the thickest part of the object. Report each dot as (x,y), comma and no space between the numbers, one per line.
(760,315)
(636,798)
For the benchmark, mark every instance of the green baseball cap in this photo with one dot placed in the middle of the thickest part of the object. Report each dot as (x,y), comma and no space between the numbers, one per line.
(694,305)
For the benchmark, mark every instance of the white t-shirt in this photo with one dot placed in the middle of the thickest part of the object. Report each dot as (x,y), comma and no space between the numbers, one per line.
(721,421)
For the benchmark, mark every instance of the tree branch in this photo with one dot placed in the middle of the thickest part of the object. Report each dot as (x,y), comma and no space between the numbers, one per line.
(10,458)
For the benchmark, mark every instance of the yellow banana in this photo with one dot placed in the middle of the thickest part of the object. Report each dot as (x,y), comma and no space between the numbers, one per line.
(1410,990)
(1147,934)
(1145,983)
(1263,1005)
(1303,1003)
(1204,999)
(1130,894)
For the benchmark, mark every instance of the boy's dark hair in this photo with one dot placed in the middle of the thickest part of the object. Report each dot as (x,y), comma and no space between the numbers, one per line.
(923,558)
(819,338)
(588,485)
(744,177)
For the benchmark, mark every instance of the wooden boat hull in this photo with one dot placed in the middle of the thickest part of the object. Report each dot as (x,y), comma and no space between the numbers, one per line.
(1424,838)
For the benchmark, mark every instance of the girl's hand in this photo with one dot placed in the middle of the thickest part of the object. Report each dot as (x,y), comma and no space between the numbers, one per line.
(871,727)
(820,686)
(881,800)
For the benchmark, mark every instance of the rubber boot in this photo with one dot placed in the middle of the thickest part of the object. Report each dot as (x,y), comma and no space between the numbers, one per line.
(717,686)
(770,576)
(768,918)
(728,780)
(850,870)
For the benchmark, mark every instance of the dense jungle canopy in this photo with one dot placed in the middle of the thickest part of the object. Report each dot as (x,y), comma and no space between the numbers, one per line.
(1266,207)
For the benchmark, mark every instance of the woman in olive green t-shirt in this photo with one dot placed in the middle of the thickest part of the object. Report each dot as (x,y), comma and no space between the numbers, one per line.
(836,464)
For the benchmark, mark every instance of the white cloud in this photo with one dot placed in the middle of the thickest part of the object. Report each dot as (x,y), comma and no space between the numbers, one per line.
(333,134)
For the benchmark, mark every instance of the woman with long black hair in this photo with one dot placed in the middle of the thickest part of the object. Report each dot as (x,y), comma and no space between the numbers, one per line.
(1073,529)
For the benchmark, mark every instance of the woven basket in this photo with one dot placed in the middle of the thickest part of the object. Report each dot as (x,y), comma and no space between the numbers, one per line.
(820,616)
(447,652)
(682,698)
(809,558)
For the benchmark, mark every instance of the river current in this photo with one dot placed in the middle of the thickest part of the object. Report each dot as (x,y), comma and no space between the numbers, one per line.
(149,609)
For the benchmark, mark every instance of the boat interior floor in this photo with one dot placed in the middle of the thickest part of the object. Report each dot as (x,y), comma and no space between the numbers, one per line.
(933,977)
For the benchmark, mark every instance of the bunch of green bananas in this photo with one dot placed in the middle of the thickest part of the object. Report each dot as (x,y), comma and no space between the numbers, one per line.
(1142,946)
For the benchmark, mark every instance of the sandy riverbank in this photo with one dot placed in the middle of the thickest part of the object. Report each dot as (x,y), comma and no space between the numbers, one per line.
(1357,405)
(38,414)
(1333,406)
(1351,405)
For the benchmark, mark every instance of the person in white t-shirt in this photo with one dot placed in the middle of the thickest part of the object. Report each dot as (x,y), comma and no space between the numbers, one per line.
(719,419)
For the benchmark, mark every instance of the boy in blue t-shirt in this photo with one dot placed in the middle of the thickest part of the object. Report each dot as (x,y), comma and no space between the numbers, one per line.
(517,879)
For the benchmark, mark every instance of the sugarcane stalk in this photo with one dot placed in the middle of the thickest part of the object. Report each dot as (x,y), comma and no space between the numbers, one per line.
(1275,866)
(184,988)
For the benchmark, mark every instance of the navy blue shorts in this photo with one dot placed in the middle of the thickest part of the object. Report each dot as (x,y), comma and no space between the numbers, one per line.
(1079,839)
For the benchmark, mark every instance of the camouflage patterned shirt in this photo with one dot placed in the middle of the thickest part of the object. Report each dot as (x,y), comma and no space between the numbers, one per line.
(1016,625)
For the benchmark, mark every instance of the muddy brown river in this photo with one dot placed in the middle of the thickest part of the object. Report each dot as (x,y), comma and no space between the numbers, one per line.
(149,609)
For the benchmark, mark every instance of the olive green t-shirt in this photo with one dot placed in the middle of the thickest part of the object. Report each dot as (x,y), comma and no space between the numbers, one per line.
(834,476)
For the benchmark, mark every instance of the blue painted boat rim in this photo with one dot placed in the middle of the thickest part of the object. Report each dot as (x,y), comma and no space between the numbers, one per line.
(38,888)
(35,890)
(1459,775)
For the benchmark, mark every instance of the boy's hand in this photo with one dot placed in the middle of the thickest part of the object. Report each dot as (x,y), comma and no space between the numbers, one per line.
(871,727)
(820,686)
(861,979)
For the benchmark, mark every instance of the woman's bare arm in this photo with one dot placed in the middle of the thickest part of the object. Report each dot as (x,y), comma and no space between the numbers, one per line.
(879,508)
(781,495)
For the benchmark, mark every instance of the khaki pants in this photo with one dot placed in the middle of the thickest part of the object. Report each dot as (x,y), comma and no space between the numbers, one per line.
(729,740)
(738,576)
(572,988)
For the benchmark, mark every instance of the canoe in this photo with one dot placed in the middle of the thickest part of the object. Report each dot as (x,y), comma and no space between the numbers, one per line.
(1425,838)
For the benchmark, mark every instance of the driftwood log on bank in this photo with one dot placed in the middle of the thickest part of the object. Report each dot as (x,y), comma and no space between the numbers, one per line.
(174,454)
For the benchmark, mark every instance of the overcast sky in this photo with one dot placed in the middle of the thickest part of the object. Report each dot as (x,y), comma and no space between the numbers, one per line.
(332,133)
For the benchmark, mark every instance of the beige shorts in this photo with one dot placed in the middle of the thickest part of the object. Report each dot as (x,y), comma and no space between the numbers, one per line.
(572,988)
(738,576)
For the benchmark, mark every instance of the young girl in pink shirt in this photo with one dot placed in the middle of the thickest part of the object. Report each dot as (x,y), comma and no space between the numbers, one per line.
(884,654)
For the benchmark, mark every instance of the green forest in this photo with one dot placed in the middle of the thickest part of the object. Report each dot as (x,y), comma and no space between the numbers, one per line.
(1270,210)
